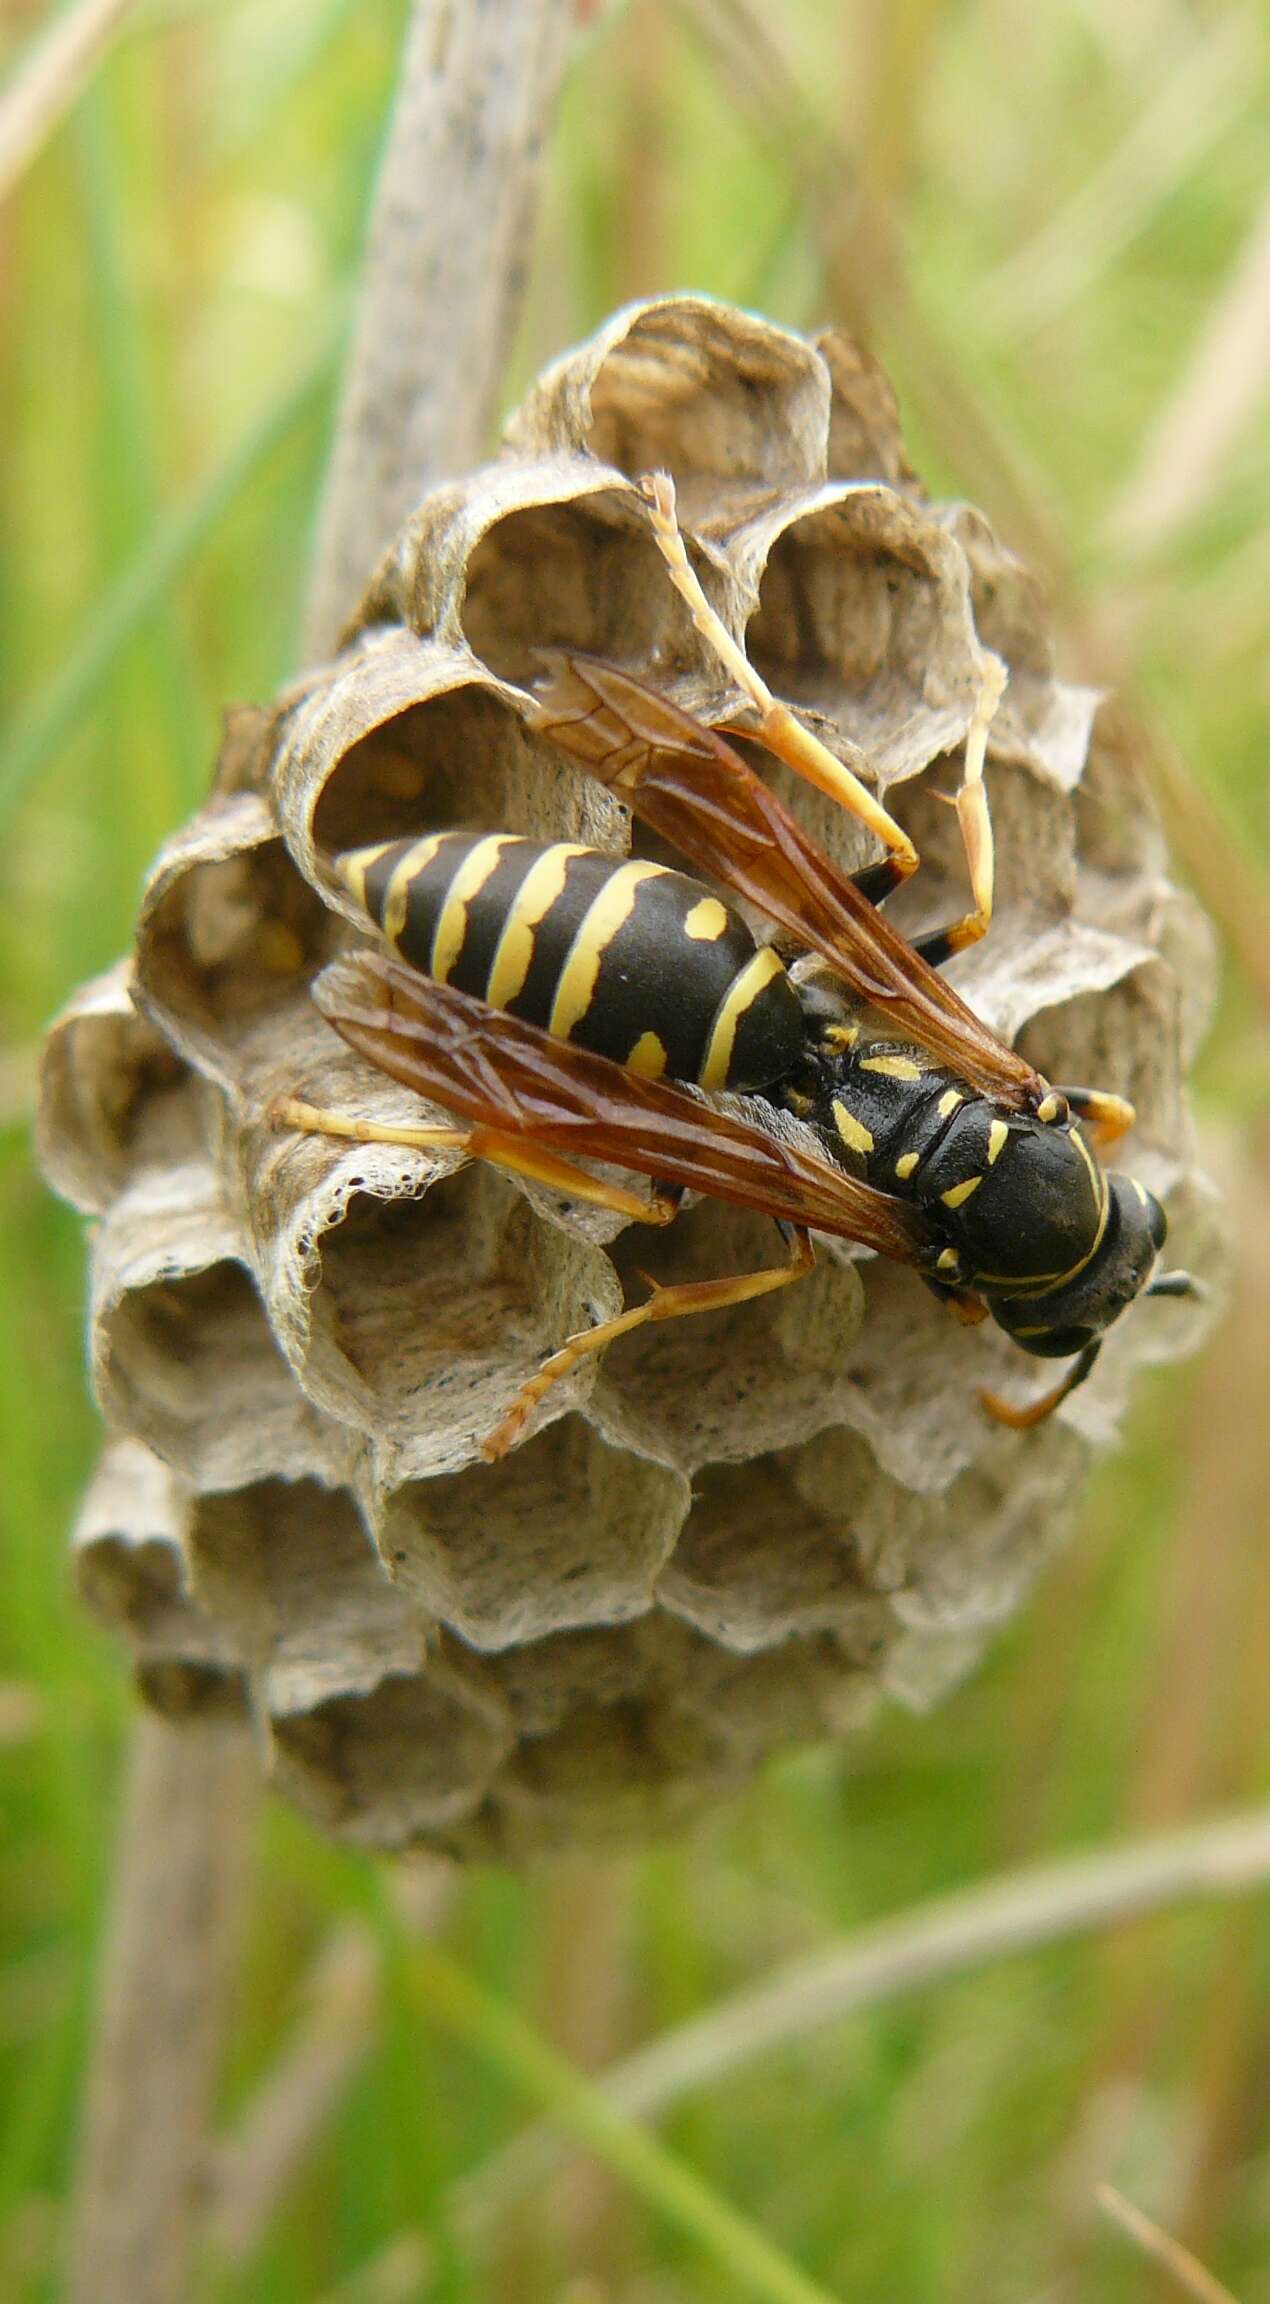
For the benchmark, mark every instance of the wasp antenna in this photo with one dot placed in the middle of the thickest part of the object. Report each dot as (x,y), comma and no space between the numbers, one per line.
(1022,1419)
(1178,1284)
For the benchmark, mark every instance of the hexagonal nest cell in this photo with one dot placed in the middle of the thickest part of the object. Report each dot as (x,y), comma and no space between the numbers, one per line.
(733,1531)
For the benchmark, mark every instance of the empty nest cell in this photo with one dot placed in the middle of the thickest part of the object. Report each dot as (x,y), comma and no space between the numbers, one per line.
(864,424)
(864,613)
(756,1563)
(131,1573)
(604,1779)
(229,930)
(725,1384)
(460,758)
(112,1093)
(584,575)
(568,1531)
(403,1762)
(722,401)
(289,1566)
(374,1727)
(1117,829)
(183,1354)
(442,1306)
(618,1768)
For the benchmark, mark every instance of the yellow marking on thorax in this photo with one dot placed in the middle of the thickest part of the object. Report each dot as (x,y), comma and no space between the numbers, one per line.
(998,1138)
(947,1260)
(416,859)
(906,1163)
(648,1057)
(478,866)
(842,1035)
(608,912)
(957,1194)
(542,885)
(707,921)
(853,1132)
(894,1067)
(949,1101)
(1051,1108)
(353,867)
(741,995)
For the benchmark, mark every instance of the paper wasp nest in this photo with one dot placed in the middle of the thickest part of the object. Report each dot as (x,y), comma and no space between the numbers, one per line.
(736,1531)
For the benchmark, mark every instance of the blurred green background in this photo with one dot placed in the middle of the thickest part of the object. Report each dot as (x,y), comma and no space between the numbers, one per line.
(1054,223)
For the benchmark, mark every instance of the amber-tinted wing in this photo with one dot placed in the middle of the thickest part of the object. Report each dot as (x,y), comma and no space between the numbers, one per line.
(511,1077)
(685,781)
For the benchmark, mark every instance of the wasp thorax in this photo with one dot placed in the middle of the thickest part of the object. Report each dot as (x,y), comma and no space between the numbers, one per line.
(1023,1203)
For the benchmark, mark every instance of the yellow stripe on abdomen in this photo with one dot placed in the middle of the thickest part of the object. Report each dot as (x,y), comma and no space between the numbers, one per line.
(478,866)
(397,893)
(754,978)
(542,885)
(610,911)
(352,867)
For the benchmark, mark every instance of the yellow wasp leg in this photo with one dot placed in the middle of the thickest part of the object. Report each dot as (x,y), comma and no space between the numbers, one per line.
(518,1156)
(778,729)
(674,1303)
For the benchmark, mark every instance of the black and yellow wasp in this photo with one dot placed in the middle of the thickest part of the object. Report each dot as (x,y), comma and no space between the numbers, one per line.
(563,1002)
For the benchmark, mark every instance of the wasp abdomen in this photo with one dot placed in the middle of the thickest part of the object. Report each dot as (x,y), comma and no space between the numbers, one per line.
(625,957)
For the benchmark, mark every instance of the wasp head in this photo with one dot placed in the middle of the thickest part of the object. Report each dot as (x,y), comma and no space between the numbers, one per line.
(1069,1318)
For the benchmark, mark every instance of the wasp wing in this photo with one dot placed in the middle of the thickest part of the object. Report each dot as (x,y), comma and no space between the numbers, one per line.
(691,786)
(512,1078)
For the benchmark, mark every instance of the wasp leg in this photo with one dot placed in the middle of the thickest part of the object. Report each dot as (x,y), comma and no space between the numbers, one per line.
(1022,1419)
(778,729)
(877,881)
(1104,1118)
(518,1157)
(963,1303)
(975,821)
(674,1303)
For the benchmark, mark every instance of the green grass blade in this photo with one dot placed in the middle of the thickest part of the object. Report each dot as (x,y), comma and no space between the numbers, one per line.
(52,716)
(444,1993)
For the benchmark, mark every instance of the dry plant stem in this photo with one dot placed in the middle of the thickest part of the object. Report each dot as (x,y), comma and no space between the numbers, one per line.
(585,2004)
(168,1961)
(953,1934)
(444,269)
(283,2120)
(1186,2269)
(449,235)
(48,80)
(1204,419)
(290,2109)
(1187,109)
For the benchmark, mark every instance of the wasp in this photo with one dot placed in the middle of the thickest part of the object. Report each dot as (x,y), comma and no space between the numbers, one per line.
(569,1006)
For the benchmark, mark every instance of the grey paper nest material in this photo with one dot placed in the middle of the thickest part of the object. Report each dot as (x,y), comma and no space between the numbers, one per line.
(734,1531)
